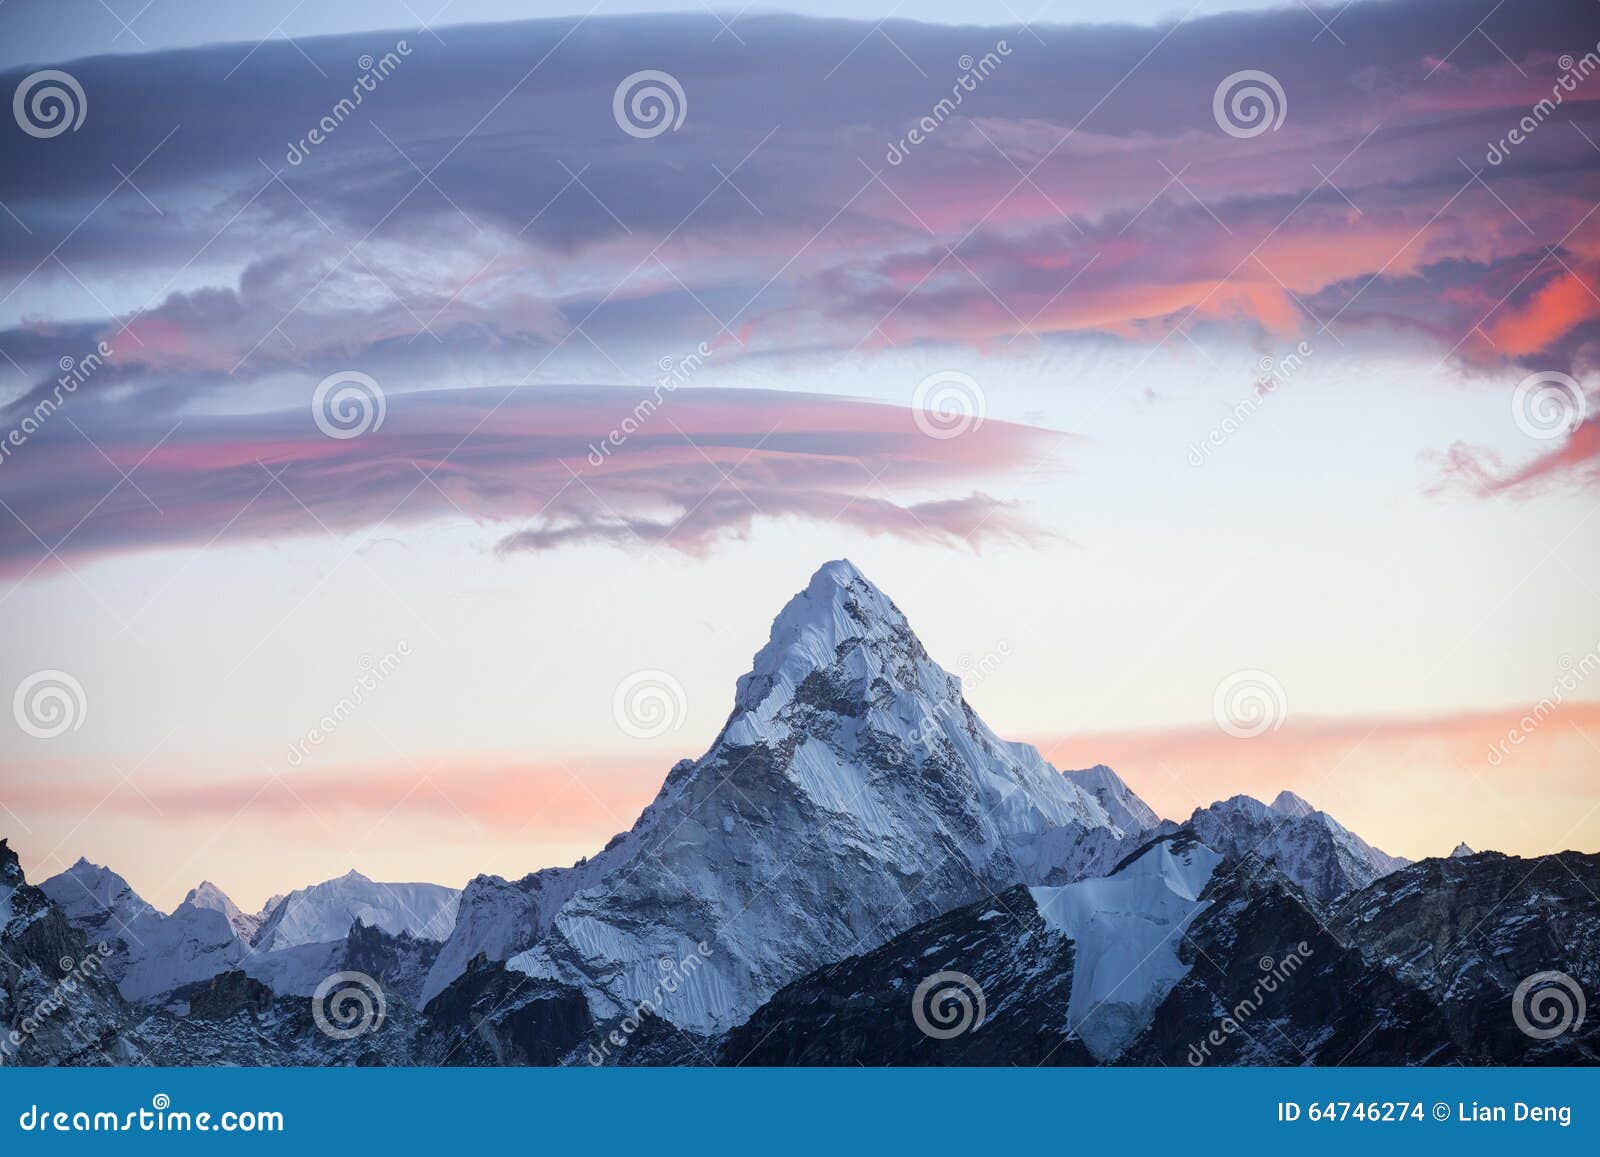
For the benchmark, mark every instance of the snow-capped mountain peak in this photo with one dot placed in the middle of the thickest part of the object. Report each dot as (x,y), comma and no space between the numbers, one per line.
(1122,804)
(96,899)
(1289,804)
(851,768)
(1462,850)
(1309,846)
(325,912)
(212,898)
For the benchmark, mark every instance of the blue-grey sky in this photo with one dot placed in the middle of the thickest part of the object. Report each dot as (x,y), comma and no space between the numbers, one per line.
(41,31)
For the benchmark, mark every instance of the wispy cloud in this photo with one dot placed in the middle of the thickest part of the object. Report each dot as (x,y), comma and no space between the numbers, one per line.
(541,464)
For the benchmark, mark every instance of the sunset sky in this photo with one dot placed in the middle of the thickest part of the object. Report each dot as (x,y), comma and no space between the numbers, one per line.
(1081,259)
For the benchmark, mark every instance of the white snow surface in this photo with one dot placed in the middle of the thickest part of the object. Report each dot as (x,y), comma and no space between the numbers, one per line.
(1125,930)
(1122,804)
(296,970)
(851,795)
(95,898)
(1309,846)
(324,912)
(244,925)
(154,954)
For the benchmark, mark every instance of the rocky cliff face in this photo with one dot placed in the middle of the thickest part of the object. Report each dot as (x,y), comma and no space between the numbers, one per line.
(58,1003)
(1470,931)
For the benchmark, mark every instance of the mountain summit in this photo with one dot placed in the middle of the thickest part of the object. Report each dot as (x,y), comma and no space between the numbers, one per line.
(851,794)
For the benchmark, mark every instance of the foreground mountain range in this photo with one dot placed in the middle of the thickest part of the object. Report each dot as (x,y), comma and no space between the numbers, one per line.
(858,871)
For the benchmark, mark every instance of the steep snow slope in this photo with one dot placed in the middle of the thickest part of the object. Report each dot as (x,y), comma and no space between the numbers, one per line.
(851,794)
(498,918)
(193,943)
(97,901)
(1125,930)
(244,925)
(1122,804)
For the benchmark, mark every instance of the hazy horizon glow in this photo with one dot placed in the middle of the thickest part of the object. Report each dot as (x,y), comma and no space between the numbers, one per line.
(1222,401)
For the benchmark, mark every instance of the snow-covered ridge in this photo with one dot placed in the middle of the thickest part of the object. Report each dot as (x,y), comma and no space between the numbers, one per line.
(1125,930)
(324,912)
(1309,846)
(289,944)
(1126,809)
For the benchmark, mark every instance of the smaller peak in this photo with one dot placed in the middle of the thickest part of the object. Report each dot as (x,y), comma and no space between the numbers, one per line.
(1099,773)
(1462,850)
(206,892)
(1238,803)
(354,877)
(1289,804)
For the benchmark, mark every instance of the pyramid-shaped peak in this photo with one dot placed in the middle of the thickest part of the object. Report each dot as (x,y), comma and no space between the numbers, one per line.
(208,895)
(1289,804)
(841,620)
(838,583)
(1461,851)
